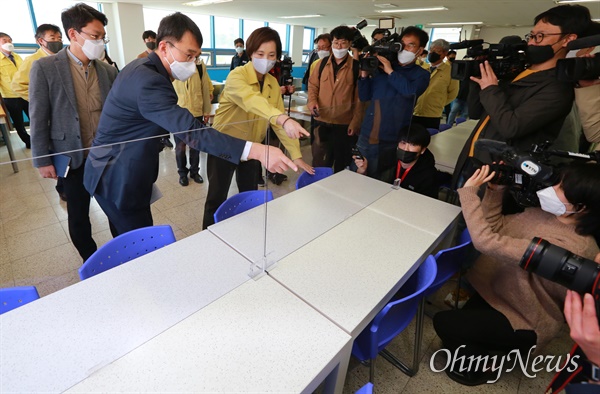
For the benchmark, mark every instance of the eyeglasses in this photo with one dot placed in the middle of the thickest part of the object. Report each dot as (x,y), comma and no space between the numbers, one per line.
(188,58)
(539,37)
(95,37)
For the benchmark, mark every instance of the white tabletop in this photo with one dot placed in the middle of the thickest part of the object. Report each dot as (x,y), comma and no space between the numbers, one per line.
(354,187)
(55,342)
(258,338)
(447,145)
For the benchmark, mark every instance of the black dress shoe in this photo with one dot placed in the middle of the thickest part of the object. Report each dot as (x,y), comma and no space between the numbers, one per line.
(197,178)
(167,142)
(183,180)
(468,378)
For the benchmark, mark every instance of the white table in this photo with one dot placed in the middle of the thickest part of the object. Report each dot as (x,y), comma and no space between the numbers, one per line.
(447,145)
(55,342)
(258,338)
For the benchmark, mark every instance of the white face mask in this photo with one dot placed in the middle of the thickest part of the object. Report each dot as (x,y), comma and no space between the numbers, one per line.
(406,57)
(550,202)
(239,49)
(323,54)
(93,49)
(262,66)
(340,53)
(573,53)
(182,71)
(8,47)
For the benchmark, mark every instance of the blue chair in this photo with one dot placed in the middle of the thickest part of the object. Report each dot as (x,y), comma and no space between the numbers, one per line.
(366,389)
(393,319)
(242,202)
(444,127)
(306,179)
(432,131)
(126,247)
(14,297)
(460,120)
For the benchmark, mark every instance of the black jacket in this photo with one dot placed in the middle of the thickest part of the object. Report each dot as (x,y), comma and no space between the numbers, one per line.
(422,177)
(237,61)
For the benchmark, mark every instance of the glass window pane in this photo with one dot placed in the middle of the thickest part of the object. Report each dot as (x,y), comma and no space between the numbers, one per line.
(203,22)
(450,34)
(207,58)
(226,30)
(307,40)
(16,22)
(250,26)
(223,60)
(282,30)
(50,11)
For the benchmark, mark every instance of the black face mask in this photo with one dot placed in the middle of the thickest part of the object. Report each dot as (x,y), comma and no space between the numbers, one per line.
(405,156)
(151,45)
(434,57)
(54,46)
(451,59)
(537,54)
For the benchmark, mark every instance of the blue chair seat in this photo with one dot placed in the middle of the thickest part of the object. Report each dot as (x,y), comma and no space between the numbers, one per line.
(14,297)
(432,131)
(306,179)
(444,127)
(242,202)
(460,120)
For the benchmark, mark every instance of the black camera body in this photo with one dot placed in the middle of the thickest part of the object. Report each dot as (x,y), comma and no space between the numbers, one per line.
(286,78)
(387,47)
(506,59)
(580,68)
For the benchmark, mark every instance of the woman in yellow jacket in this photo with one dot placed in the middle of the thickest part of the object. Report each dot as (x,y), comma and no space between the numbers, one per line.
(250,102)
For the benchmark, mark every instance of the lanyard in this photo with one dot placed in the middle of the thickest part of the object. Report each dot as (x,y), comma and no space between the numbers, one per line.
(399,168)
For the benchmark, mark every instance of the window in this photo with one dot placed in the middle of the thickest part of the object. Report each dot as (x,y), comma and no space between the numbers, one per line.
(203,22)
(226,31)
(282,30)
(50,11)
(250,26)
(18,24)
(152,19)
(307,40)
(450,34)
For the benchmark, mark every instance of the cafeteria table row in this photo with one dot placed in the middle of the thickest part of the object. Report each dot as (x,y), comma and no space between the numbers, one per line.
(189,316)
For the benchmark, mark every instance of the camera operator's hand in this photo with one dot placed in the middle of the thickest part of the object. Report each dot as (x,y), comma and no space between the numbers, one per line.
(291,127)
(289,89)
(480,176)
(304,166)
(364,74)
(361,164)
(385,65)
(583,322)
(314,109)
(488,77)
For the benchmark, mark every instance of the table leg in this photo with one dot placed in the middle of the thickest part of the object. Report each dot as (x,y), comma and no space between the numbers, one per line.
(11,154)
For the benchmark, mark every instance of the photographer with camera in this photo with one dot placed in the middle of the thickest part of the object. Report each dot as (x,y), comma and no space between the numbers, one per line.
(333,102)
(513,308)
(392,89)
(530,108)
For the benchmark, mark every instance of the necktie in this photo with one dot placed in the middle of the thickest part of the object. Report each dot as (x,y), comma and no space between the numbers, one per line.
(12,59)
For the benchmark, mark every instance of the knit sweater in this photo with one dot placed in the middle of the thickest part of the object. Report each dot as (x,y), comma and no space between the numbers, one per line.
(529,301)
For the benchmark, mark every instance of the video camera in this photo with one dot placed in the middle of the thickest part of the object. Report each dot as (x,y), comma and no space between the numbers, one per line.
(359,41)
(286,78)
(387,47)
(527,172)
(506,59)
(580,68)
(563,267)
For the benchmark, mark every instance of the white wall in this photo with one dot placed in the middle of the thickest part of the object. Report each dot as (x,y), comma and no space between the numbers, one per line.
(125,28)
(296,41)
(495,34)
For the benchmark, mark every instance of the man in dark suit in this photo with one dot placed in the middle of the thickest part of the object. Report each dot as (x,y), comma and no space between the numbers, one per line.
(66,93)
(140,106)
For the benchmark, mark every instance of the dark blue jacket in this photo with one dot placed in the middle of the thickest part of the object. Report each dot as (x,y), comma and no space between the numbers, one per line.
(142,104)
(393,98)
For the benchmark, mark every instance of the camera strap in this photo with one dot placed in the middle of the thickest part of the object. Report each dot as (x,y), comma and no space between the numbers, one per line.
(355,67)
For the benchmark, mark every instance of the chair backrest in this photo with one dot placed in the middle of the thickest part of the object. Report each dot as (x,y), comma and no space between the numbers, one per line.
(126,247)
(306,179)
(432,131)
(449,261)
(397,314)
(242,202)
(14,297)
(366,389)
(460,120)
(444,127)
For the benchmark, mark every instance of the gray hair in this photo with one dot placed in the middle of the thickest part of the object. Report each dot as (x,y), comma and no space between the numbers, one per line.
(440,42)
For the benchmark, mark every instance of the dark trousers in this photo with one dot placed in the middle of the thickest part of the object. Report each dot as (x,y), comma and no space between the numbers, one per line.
(482,329)
(430,123)
(181,159)
(78,209)
(123,221)
(220,173)
(16,107)
(332,146)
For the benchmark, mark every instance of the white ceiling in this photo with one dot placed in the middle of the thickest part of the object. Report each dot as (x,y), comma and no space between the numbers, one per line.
(494,13)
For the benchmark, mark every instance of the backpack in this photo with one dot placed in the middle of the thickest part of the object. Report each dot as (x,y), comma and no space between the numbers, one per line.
(355,68)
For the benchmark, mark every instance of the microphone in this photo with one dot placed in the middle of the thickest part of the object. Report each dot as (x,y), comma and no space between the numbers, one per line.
(581,43)
(466,44)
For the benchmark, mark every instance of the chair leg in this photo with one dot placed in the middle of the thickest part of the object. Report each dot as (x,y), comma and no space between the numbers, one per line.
(372,370)
(412,370)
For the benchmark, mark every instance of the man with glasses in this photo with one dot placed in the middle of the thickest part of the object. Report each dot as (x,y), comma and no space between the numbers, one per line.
(142,106)
(67,93)
(532,107)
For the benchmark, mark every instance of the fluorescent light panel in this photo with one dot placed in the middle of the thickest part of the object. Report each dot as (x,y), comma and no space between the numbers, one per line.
(300,16)
(415,9)
(575,1)
(205,2)
(454,23)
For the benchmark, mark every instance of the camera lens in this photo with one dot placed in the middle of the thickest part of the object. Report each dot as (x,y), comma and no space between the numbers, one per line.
(561,266)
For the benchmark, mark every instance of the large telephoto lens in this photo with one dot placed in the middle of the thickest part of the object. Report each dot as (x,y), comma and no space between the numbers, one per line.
(561,266)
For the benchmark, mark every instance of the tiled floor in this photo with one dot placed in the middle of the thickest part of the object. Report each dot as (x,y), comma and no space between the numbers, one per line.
(35,249)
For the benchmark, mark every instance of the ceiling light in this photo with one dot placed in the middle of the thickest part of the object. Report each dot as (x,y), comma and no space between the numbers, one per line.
(205,2)
(454,23)
(384,5)
(415,9)
(575,1)
(300,16)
